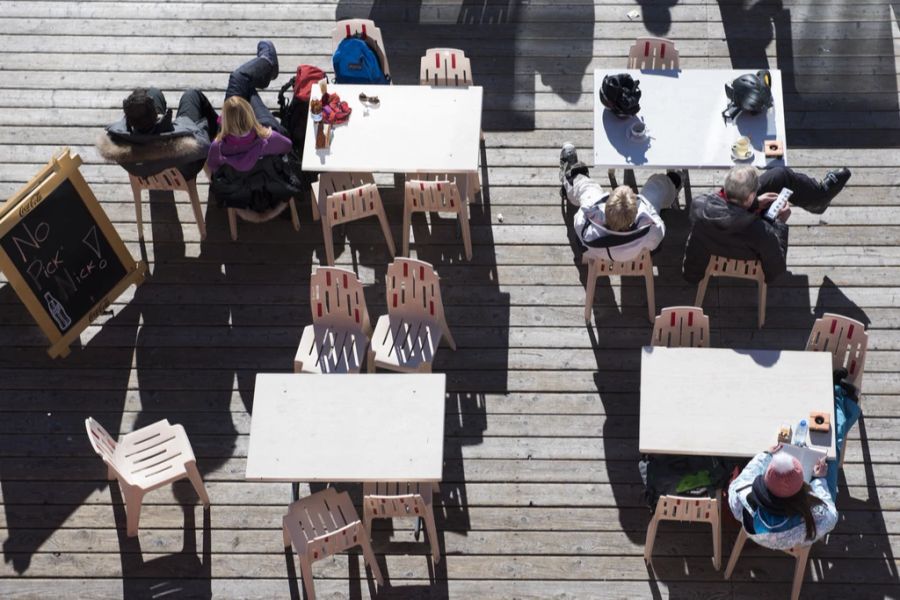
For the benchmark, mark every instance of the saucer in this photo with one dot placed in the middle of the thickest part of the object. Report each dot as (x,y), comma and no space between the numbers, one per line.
(736,157)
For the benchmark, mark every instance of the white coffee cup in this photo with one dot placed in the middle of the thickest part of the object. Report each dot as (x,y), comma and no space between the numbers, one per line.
(741,148)
(638,130)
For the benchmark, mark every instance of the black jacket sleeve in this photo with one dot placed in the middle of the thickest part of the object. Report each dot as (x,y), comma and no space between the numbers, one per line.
(771,243)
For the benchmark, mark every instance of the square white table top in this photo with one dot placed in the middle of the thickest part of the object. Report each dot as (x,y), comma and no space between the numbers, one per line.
(683,113)
(414,128)
(361,427)
(724,402)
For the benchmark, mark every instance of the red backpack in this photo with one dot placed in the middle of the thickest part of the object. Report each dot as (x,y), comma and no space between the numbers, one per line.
(294,111)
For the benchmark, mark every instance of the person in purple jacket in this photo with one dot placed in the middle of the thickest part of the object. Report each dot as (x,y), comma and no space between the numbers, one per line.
(242,139)
(248,129)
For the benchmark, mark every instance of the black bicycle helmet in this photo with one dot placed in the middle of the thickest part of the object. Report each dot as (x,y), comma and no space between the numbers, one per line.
(751,92)
(621,95)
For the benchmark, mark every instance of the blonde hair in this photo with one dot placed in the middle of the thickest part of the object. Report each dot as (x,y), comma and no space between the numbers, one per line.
(238,119)
(621,208)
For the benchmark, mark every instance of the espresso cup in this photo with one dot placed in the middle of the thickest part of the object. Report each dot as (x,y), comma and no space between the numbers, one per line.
(638,130)
(741,147)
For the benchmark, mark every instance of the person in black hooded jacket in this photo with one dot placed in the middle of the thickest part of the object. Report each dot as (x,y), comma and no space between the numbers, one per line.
(730,222)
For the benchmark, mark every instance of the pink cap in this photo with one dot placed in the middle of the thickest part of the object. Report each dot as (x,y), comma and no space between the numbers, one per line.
(784,477)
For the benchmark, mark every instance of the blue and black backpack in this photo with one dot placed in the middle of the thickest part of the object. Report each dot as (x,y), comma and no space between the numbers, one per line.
(356,61)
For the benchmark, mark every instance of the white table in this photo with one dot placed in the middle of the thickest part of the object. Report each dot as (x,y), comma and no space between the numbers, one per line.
(413,128)
(683,113)
(723,402)
(352,428)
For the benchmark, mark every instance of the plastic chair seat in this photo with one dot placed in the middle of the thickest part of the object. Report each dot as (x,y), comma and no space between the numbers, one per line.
(403,344)
(435,196)
(326,349)
(391,499)
(256,217)
(169,179)
(800,554)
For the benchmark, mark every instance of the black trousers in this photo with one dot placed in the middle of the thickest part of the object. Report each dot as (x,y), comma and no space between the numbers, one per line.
(245,80)
(808,192)
(196,106)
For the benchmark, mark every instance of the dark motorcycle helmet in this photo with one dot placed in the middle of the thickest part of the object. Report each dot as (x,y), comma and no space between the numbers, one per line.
(751,92)
(621,95)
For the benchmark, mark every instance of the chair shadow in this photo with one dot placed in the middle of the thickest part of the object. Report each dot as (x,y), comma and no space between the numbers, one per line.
(182,574)
(498,36)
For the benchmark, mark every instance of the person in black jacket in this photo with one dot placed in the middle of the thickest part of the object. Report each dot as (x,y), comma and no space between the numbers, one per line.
(147,139)
(729,222)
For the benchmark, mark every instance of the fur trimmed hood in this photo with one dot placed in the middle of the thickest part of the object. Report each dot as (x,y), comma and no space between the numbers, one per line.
(176,149)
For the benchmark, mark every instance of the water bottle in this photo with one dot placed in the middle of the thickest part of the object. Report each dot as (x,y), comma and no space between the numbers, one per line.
(800,433)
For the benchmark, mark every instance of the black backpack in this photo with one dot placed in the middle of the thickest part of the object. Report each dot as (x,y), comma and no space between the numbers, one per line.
(666,474)
(271,181)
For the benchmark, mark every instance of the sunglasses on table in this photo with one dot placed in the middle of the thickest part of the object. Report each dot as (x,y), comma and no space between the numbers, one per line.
(369,99)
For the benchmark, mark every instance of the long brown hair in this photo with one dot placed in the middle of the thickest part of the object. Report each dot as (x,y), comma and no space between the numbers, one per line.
(238,119)
(802,503)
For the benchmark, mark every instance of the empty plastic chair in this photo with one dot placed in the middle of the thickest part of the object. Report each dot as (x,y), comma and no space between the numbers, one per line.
(337,340)
(800,553)
(653,53)
(321,525)
(145,460)
(719,266)
(167,180)
(339,198)
(435,196)
(640,266)
(407,337)
(687,509)
(388,500)
(681,327)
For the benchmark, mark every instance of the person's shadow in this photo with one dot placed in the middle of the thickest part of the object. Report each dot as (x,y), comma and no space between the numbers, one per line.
(817,45)
(503,39)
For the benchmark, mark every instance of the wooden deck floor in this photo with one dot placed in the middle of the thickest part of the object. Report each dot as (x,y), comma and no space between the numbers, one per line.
(542,497)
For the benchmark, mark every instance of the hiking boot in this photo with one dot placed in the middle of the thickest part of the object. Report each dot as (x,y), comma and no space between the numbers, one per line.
(832,184)
(266,50)
(568,156)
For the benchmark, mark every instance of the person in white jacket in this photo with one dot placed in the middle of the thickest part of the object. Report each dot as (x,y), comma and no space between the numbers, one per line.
(776,507)
(619,225)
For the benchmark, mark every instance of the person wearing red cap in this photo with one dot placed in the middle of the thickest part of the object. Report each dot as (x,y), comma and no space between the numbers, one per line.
(776,507)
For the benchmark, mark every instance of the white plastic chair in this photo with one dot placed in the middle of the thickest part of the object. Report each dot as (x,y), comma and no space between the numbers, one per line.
(251,216)
(440,195)
(343,197)
(719,266)
(653,53)
(687,509)
(846,339)
(145,460)
(337,340)
(407,337)
(321,525)
(597,267)
(388,500)
(166,180)
(681,327)
(445,67)
(365,28)
(800,553)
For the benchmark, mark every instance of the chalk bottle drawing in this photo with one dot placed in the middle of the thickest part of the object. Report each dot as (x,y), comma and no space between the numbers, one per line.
(58,312)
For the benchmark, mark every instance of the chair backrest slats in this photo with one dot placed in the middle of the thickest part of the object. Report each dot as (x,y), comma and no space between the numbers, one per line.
(653,53)
(337,299)
(681,327)
(846,339)
(103,443)
(433,196)
(413,289)
(445,67)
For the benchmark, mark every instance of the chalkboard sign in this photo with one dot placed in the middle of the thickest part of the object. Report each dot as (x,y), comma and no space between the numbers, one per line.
(61,253)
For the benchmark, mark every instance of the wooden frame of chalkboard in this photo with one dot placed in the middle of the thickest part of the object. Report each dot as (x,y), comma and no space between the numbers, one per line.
(61,254)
